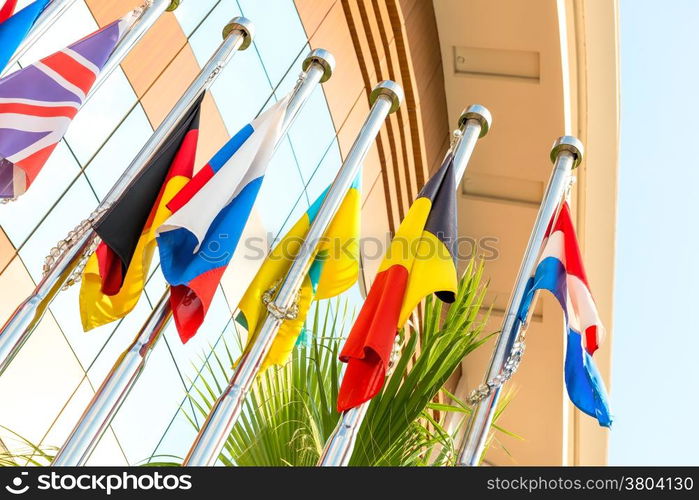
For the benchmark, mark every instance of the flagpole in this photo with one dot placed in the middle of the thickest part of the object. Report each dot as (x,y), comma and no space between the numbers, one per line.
(124,375)
(60,271)
(566,154)
(385,98)
(48,16)
(474,123)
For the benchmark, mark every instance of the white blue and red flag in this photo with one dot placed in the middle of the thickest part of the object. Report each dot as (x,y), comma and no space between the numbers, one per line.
(561,272)
(198,240)
(38,103)
(14,28)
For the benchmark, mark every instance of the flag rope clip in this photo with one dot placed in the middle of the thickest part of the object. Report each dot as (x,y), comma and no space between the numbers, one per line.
(63,245)
(510,367)
(281,313)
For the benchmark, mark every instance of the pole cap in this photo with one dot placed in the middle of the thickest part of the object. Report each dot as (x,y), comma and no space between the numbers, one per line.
(173,5)
(478,113)
(389,89)
(322,57)
(245,26)
(570,144)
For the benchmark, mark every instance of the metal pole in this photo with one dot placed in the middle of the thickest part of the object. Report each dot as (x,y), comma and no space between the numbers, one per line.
(566,154)
(124,375)
(474,123)
(21,324)
(116,386)
(50,14)
(153,9)
(385,98)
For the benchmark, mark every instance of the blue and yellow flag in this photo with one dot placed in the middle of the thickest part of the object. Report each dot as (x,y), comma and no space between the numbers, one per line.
(334,270)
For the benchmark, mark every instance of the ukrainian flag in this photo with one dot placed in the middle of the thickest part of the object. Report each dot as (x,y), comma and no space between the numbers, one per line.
(335,269)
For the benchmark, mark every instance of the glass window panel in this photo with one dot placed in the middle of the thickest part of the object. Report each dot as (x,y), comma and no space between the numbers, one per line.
(190,14)
(101,114)
(19,218)
(150,406)
(117,153)
(325,172)
(279,36)
(73,25)
(281,188)
(75,206)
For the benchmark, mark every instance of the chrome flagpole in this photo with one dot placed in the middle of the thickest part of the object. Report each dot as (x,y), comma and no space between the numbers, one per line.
(566,154)
(124,375)
(385,98)
(48,16)
(62,268)
(474,123)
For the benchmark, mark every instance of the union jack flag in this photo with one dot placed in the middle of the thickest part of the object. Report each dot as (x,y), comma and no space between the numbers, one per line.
(38,103)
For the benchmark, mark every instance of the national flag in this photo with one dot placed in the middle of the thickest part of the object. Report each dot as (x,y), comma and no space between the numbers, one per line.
(335,269)
(561,271)
(38,102)
(421,260)
(116,273)
(197,242)
(15,28)
(7,9)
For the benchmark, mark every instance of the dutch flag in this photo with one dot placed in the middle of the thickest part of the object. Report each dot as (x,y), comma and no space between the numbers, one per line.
(560,271)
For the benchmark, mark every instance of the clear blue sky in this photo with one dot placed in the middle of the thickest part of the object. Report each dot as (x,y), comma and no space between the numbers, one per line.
(655,385)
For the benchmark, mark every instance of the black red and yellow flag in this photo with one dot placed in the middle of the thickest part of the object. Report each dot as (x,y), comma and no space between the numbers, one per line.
(115,274)
(421,260)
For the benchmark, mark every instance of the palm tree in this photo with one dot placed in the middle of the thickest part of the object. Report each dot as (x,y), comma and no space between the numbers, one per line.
(291,410)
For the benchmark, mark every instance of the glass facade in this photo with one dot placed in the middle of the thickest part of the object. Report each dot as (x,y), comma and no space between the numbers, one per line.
(51,381)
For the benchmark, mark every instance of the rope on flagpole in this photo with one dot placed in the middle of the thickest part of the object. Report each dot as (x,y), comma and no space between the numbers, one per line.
(73,237)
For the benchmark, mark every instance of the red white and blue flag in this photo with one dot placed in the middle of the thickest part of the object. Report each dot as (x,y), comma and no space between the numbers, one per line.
(6,9)
(38,103)
(14,28)
(561,271)
(198,240)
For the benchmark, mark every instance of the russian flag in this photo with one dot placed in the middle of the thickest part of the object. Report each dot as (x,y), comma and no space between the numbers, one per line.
(14,28)
(198,240)
(560,271)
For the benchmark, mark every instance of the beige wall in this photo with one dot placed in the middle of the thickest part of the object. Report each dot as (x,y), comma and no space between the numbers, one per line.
(544,69)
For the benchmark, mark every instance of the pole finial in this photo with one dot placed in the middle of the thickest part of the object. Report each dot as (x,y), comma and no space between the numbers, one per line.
(322,57)
(173,5)
(570,144)
(389,89)
(244,26)
(478,113)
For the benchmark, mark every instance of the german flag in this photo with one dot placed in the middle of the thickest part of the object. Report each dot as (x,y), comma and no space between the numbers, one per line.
(334,270)
(421,260)
(115,274)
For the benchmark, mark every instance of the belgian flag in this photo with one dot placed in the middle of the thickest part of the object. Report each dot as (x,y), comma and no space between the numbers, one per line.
(420,260)
(115,274)
(335,268)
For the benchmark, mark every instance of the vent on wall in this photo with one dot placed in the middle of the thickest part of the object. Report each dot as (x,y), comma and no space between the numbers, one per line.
(519,64)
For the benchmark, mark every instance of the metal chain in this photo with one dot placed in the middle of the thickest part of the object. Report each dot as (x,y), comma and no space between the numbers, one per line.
(395,355)
(509,369)
(66,243)
(292,312)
